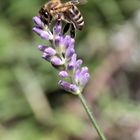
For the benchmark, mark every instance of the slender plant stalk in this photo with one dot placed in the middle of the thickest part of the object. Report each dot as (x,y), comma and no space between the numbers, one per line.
(94,123)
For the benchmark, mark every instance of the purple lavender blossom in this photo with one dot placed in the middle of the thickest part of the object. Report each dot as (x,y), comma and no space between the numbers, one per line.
(61,54)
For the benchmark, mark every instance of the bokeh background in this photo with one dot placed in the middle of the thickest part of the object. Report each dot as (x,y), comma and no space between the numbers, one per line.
(33,107)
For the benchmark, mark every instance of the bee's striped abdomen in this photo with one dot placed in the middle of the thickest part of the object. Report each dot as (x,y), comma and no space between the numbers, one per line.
(74,15)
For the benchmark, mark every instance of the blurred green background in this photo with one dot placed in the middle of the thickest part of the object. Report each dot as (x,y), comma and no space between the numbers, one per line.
(33,107)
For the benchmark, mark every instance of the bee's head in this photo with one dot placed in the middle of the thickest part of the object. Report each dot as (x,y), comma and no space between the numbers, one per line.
(45,15)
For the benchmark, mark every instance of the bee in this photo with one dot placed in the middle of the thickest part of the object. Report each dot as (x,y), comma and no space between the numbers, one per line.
(55,10)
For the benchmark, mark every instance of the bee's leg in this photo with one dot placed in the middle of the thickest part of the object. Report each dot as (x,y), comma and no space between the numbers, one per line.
(72,31)
(46,21)
(66,28)
(58,20)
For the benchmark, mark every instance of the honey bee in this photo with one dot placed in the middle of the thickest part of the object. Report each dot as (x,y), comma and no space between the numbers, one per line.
(55,10)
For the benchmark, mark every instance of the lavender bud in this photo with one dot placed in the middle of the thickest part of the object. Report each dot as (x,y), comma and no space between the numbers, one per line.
(57,28)
(63,74)
(69,87)
(59,41)
(42,47)
(84,70)
(72,63)
(37,30)
(37,21)
(78,64)
(56,61)
(43,34)
(69,52)
(76,76)
(84,80)
(59,45)
(46,56)
(69,42)
(50,51)
(82,77)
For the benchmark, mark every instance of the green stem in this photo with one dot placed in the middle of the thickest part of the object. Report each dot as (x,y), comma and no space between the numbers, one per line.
(94,123)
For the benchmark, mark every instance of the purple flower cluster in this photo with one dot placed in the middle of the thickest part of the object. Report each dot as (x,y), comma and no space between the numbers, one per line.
(61,54)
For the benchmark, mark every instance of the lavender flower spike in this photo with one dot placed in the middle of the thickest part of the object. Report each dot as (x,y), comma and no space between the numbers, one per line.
(61,54)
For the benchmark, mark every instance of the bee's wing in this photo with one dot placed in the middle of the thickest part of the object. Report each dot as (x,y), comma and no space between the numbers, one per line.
(79,1)
(55,0)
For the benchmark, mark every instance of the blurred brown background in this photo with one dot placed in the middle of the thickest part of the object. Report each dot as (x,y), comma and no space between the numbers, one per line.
(33,107)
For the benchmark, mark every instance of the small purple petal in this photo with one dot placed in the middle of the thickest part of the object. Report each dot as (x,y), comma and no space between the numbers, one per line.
(64,42)
(77,76)
(63,74)
(50,51)
(42,47)
(72,63)
(74,89)
(59,45)
(84,70)
(78,64)
(59,41)
(37,21)
(37,30)
(73,58)
(46,56)
(81,77)
(57,28)
(68,87)
(84,79)
(56,61)
(70,66)
(69,42)
(69,52)
(43,34)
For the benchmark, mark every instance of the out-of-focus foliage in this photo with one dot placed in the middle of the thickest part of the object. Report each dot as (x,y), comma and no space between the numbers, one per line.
(32,107)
